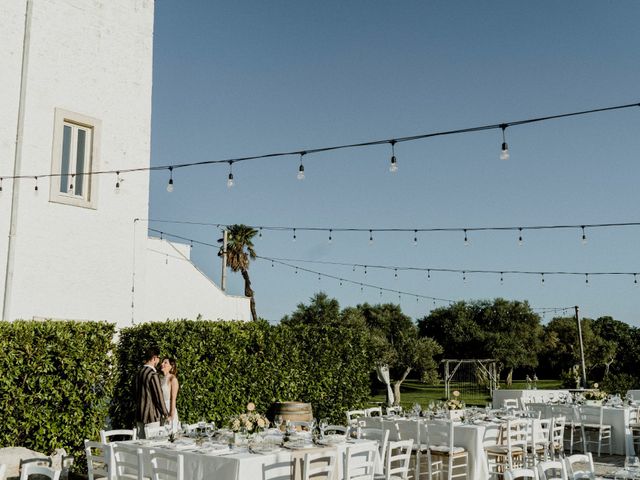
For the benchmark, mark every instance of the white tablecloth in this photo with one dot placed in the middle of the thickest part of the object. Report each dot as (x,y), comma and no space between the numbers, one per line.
(617,417)
(241,465)
(635,395)
(528,396)
(468,437)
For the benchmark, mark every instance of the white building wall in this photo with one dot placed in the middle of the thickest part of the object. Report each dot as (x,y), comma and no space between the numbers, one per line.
(174,288)
(91,57)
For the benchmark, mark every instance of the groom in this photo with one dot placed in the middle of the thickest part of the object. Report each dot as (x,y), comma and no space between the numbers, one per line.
(150,407)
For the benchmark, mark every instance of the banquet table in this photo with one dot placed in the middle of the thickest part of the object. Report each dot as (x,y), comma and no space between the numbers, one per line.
(527,396)
(464,435)
(239,463)
(617,417)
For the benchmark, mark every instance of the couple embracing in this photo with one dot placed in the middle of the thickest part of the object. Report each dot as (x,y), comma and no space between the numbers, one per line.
(156,397)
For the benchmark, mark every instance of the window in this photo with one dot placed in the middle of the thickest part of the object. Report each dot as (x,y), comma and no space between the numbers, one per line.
(75,156)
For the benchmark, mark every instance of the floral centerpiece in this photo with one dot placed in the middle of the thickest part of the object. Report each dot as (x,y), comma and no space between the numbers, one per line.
(595,395)
(250,421)
(455,406)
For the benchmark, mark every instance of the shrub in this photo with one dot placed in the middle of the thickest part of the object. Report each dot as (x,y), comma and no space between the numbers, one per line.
(56,383)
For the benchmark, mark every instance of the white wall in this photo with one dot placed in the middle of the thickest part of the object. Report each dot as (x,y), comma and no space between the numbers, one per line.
(92,57)
(175,288)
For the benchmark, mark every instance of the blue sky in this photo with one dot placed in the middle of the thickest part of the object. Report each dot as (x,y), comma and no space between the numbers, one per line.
(253,77)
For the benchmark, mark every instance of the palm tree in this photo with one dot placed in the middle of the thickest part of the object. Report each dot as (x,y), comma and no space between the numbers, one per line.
(239,252)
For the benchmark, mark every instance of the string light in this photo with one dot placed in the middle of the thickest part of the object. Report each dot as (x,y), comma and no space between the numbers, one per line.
(71,184)
(170,184)
(395,273)
(586,278)
(36,186)
(294,235)
(330,235)
(370,237)
(466,238)
(415,237)
(464,276)
(501,278)
(230,181)
(635,280)
(504,152)
(0,184)
(542,279)
(365,269)
(393,166)
(520,237)
(301,167)
(117,182)
(428,274)
(260,232)
(584,236)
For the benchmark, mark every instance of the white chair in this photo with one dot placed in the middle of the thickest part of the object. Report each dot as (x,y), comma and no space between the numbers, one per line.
(510,404)
(319,463)
(634,427)
(574,465)
(520,473)
(33,469)
(301,425)
(99,460)
(572,425)
(359,462)
(552,470)
(3,471)
(443,452)
(396,463)
(509,450)
(128,463)
(106,435)
(278,470)
(381,436)
(166,466)
(154,430)
(394,410)
(373,412)
(591,423)
(354,415)
(539,439)
(556,436)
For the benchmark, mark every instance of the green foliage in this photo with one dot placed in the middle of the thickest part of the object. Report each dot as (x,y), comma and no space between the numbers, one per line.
(224,365)
(56,383)
(508,331)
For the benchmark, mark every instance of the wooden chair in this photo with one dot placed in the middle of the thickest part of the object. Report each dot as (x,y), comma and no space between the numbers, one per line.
(99,460)
(166,466)
(128,464)
(509,451)
(396,463)
(591,420)
(552,470)
(574,463)
(319,463)
(443,453)
(106,436)
(360,462)
(42,471)
(277,471)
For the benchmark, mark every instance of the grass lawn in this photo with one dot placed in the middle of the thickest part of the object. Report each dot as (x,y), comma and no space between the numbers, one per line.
(413,391)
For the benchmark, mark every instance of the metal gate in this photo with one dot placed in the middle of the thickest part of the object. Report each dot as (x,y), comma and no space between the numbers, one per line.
(475,379)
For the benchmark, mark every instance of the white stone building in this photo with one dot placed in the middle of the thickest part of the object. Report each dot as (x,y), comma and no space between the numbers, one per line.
(75,97)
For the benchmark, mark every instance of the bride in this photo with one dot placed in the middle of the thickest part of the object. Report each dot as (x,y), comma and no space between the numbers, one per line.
(170,388)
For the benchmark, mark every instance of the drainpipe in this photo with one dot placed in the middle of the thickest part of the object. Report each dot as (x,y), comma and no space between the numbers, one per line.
(17,163)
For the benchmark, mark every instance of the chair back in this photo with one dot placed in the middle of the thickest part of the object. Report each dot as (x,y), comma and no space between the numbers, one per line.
(575,472)
(510,403)
(153,430)
(319,463)
(394,410)
(301,425)
(166,466)
(127,462)
(278,470)
(34,469)
(590,414)
(354,415)
(397,462)
(106,436)
(334,429)
(373,412)
(360,462)
(520,473)
(552,470)
(99,460)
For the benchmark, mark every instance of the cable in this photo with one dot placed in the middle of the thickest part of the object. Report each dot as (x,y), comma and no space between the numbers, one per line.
(388,141)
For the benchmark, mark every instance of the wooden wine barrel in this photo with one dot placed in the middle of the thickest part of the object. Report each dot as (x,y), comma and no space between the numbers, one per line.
(294,411)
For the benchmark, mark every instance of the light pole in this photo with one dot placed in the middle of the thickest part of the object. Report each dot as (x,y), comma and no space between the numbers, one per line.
(584,370)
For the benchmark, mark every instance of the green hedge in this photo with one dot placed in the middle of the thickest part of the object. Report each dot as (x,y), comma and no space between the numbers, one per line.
(56,383)
(224,365)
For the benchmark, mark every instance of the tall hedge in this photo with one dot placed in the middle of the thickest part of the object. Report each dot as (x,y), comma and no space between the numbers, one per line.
(224,365)
(56,383)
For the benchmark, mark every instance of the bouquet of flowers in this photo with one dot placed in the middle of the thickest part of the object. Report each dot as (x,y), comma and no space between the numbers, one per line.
(251,421)
(595,394)
(454,403)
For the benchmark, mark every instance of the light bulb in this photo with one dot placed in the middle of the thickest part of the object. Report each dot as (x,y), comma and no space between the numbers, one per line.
(584,237)
(230,181)
(301,172)
(504,153)
(393,167)
(170,185)
(117,186)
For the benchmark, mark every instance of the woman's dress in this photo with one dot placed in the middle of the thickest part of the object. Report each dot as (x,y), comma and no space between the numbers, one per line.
(166,394)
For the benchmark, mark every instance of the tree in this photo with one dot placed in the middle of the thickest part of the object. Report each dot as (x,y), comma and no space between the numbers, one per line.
(397,344)
(239,253)
(508,331)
